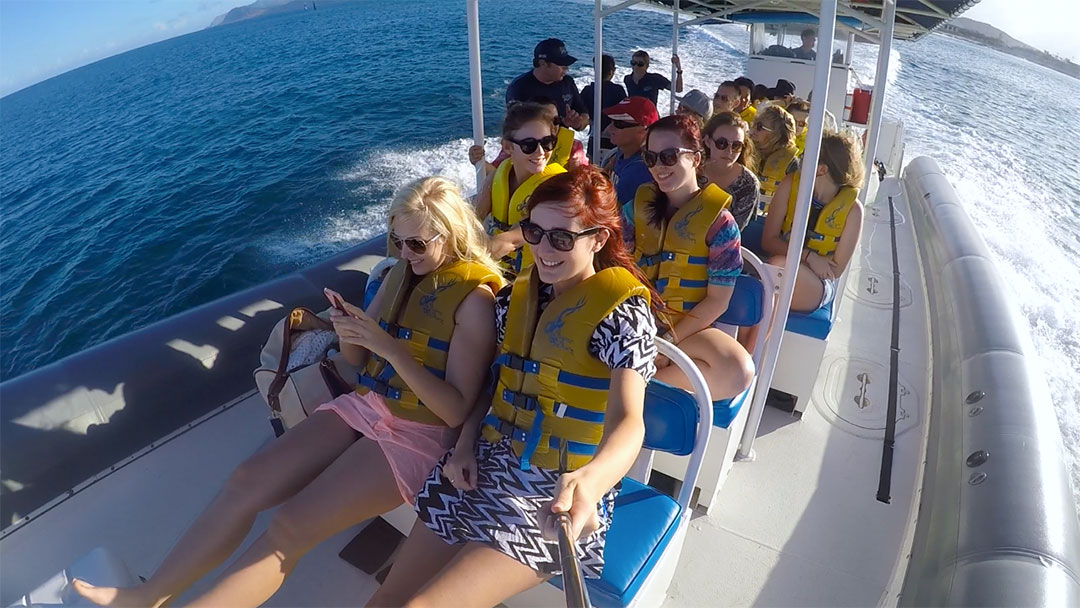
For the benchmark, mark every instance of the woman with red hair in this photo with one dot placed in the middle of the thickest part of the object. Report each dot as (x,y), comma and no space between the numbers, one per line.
(686,242)
(564,424)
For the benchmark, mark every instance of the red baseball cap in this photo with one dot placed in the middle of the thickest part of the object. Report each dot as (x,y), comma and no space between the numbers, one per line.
(634,109)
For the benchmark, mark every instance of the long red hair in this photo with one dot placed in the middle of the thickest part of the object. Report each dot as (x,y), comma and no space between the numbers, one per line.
(586,193)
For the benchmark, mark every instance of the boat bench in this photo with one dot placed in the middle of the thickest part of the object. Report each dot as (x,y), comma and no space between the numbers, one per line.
(806,335)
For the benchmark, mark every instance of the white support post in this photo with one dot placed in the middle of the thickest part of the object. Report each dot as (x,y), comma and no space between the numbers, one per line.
(850,48)
(881,77)
(476,91)
(598,69)
(807,172)
(674,50)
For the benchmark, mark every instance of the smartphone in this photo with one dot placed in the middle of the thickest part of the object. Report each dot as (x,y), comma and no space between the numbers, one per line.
(335,299)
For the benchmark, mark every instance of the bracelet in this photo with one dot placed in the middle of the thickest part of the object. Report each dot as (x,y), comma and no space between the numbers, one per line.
(678,71)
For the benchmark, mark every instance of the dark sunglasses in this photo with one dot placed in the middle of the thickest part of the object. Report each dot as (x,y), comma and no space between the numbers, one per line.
(722,143)
(418,246)
(668,157)
(722,97)
(639,64)
(528,146)
(623,124)
(562,240)
(759,126)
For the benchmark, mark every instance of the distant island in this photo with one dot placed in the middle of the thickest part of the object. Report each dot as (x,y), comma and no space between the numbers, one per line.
(988,35)
(263,8)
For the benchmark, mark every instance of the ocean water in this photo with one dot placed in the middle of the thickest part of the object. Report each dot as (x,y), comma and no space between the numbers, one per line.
(145,184)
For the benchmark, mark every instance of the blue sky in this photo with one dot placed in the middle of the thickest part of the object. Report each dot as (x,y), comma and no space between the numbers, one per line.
(42,38)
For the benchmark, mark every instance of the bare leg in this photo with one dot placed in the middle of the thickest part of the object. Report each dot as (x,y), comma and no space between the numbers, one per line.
(420,559)
(270,476)
(357,486)
(477,576)
(725,364)
(808,287)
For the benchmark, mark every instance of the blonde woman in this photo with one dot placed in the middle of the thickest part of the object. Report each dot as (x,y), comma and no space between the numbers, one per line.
(366,452)
(835,222)
(773,133)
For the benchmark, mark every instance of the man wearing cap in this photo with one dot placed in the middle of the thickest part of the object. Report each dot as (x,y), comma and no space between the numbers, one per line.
(641,82)
(629,119)
(783,92)
(695,104)
(548,78)
(806,51)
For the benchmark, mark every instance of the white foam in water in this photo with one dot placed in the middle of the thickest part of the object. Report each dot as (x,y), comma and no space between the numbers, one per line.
(1045,281)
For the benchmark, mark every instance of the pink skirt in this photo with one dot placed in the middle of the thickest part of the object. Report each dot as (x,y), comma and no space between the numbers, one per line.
(412,448)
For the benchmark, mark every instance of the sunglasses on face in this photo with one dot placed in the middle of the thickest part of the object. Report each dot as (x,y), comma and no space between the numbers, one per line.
(759,126)
(637,63)
(723,98)
(623,124)
(417,246)
(561,240)
(668,157)
(722,143)
(528,146)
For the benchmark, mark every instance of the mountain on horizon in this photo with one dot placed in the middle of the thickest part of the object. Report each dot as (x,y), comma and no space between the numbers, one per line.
(262,8)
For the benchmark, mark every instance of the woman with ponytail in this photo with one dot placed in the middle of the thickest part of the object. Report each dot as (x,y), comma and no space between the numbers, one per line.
(564,423)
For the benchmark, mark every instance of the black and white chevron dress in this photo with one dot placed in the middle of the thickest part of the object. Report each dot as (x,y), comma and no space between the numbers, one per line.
(502,511)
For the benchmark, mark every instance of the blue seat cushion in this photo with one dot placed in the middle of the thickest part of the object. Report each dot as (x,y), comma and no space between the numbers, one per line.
(750,237)
(816,324)
(671,418)
(746,306)
(642,525)
(725,410)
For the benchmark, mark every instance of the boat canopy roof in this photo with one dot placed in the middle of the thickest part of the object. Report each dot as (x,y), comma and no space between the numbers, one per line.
(914,18)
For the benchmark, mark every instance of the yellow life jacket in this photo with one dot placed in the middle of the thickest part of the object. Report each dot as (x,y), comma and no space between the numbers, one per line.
(507,210)
(422,318)
(800,141)
(564,147)
(773,171)
(823,231)
(551,392)
(748,115)
(674,255)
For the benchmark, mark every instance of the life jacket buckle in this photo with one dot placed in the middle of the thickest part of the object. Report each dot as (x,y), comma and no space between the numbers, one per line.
(518,400)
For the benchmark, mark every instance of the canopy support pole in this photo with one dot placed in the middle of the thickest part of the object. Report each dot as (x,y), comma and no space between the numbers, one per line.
(598,69)
(476,91)
(881,77)
(807,172)
(850,48)
(674,50)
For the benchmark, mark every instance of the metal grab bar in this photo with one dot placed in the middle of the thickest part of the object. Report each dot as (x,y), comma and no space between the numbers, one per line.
(577,595)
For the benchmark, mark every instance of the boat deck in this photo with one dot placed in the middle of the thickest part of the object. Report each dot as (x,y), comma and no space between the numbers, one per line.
(800,524)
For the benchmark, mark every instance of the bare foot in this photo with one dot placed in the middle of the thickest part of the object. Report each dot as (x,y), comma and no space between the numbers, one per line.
(112,596)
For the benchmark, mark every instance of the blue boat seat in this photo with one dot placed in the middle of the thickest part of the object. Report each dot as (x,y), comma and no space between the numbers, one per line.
(816,324)
(641,527)
(724,411)
(645,519)
(746,305)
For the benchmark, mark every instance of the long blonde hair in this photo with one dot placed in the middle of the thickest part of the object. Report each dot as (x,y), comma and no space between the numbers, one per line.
(437,202)
(842,156)
(781,134)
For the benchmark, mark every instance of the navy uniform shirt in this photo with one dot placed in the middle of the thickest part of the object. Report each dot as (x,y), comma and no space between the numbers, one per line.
(610,94)
(563,93)
(649,86)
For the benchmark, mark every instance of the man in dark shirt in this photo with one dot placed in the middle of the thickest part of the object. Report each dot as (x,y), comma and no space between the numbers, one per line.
(643,83)
(806,51)
(610,94)
(548,78)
